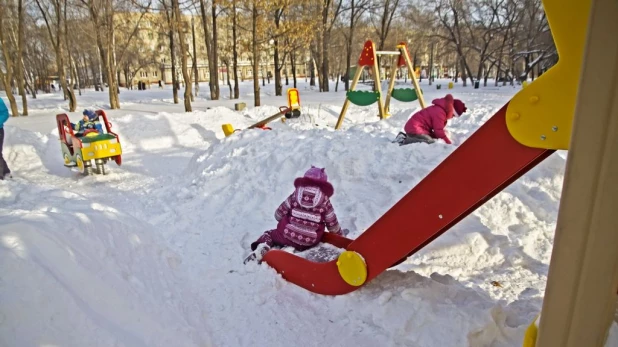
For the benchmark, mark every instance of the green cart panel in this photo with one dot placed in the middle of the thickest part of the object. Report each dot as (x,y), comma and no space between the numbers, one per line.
(100,137)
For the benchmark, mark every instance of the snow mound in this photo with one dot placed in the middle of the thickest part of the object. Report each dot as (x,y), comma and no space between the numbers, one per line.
(253,171)
(93,275)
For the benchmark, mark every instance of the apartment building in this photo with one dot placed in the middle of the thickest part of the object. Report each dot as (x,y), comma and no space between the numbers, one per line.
(151,61)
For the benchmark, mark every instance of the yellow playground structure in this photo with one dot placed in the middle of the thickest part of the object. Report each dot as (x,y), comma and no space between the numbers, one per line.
(291,111)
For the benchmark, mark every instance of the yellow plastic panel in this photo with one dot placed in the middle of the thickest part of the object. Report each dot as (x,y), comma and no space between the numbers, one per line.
(228,129)
(352,268)
(541,115)
(101,149)
(293,99)
(531,333)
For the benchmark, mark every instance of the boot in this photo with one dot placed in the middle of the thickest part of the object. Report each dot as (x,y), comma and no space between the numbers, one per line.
(258,254)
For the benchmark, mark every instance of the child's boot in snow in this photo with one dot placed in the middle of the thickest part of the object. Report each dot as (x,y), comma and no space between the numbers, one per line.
(258,254)
(400,138)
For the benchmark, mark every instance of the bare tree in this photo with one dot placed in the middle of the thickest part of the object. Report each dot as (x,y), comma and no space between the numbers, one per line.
(451,15)
(278,16)
(483,30)
(214,60)
(7,77)
(235,50)
(195,70)
(19,43)
(388,10)
(210,51)
(52,15)
(255,44)
(170,16)
(356,10)
(181,27)
(330,11)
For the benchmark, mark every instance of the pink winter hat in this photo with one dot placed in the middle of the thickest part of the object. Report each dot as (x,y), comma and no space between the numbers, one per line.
(315,177)
(459,107)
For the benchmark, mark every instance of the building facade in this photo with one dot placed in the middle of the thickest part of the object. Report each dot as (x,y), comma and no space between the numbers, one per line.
(151,61)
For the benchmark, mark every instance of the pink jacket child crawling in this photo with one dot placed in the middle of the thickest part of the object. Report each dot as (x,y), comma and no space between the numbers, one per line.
(428,124)
(302,217)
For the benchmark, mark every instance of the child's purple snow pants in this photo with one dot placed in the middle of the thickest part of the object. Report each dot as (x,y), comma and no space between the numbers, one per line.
(275,238)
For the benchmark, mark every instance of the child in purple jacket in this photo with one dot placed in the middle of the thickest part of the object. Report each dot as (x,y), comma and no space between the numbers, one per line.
(429,123)
(302,217)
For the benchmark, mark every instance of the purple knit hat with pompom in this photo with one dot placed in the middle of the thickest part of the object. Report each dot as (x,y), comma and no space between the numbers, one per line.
(315,177)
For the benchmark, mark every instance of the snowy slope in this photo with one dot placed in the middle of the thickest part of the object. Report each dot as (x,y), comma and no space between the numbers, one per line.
(151,254)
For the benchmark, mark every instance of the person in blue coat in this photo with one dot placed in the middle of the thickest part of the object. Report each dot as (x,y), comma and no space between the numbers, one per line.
(90,120)
(4,116)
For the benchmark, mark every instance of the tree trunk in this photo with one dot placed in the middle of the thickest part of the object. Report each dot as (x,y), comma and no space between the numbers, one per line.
(9,95)
(338,75)
(464,77)
(456,72)
(106,48)
(178,24)
(235,52)
(111,74)
(285,71)
(256,82)
(56,40)
(207,40)
(72,71)
(479,71)
(526,64)
(101,48)
(325,67)
(173,58)
(195,70)
(466,68)
(311,73)
(348,53)
(20,61)
(68,92)
(278,86)
(430,77)
(215,52)
(498,72)
(126,78)
(512,72)
(227,70)
(93,65)
(293,65)
(73,74)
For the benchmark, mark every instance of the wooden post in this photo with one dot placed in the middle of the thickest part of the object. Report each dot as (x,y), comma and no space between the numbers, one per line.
(430,81)
(377,85)
(391,85)
(421,99)
(346,103)
(580,298)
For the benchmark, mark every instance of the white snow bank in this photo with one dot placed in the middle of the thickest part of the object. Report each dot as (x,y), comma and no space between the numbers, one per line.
(77,272)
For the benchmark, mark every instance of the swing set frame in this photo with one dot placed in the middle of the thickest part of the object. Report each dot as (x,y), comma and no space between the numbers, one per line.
(369,57)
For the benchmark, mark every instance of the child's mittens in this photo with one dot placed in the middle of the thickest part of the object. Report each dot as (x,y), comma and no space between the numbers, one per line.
(345,232)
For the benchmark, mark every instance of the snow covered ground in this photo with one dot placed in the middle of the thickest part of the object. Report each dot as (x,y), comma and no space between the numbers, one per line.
(151,254)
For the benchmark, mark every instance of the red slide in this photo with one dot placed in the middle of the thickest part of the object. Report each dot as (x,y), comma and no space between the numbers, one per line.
(477,170)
